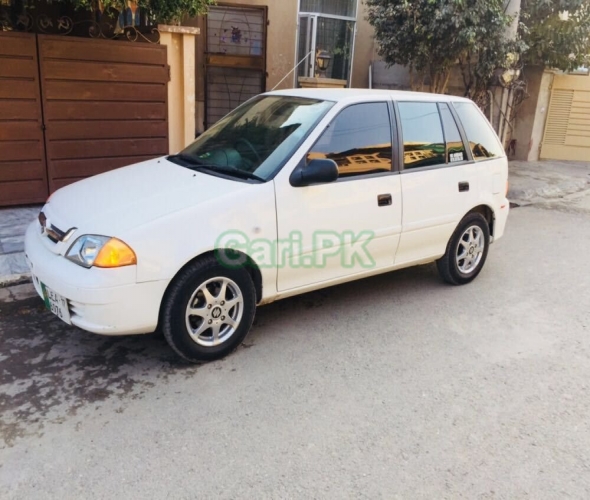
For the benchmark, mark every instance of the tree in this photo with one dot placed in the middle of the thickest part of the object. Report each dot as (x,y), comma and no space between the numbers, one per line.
(487,49)
(431,36)
(557,33)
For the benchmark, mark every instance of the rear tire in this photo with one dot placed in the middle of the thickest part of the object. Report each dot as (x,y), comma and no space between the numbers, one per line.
(208,310)
(466,252)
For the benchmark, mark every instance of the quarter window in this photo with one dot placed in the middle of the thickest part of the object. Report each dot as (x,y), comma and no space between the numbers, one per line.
(358,140)
(424,144)
(482,140)
(455,146)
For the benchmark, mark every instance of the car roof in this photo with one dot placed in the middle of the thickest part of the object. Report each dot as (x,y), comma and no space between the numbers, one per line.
(354,94)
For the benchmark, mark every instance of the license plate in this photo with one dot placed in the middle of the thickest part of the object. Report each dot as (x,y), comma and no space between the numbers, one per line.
(57,304)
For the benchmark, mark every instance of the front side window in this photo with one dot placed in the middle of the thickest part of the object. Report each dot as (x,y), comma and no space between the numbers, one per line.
(422,133)
(455,147)
(358,140)
(255,140)
(482,140)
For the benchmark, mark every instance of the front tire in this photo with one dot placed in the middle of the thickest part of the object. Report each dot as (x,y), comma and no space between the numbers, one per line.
(208,310)
(466,252)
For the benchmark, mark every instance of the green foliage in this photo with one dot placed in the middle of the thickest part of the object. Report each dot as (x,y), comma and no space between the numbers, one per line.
(431,36)
(553,42)
(164,11)
(487,48)
(174,10)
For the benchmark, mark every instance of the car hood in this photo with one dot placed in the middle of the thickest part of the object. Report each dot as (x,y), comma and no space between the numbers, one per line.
(128,197)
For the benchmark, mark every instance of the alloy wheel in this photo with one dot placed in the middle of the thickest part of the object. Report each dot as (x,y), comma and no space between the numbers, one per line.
(214,311)
(470,249)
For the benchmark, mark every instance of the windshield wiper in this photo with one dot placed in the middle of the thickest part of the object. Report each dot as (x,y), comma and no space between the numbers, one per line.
(191,160)
(233,170)
(197,164)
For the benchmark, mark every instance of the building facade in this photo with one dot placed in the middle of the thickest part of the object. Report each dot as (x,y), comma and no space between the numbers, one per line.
(252,46)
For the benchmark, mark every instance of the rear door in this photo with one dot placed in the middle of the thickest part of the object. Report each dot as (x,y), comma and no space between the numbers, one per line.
(439,183)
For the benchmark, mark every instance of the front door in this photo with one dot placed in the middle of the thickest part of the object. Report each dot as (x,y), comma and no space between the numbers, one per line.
(350,226)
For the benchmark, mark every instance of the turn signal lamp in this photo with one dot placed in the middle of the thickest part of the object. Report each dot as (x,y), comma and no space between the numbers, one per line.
(115,253)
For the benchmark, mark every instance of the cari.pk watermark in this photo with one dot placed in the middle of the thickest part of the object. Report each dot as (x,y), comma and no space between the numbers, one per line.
(325,248)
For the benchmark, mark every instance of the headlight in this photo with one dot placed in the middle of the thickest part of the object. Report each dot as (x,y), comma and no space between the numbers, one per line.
(101,251)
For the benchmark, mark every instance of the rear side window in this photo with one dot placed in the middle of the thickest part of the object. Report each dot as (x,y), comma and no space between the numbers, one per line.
(455,146)
(358,140)
(424,144)
(482,140)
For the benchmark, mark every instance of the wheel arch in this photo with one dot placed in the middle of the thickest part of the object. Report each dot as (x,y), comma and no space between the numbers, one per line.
(250,266)
(488,214)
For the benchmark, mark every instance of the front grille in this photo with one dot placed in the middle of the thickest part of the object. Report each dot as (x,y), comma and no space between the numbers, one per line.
(76,308)
(52,232)
(55,234)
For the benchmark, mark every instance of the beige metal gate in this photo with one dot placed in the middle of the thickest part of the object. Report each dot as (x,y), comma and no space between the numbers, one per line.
(567,131)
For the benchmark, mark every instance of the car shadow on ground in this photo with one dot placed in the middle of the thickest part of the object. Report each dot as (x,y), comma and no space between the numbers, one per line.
(49,370)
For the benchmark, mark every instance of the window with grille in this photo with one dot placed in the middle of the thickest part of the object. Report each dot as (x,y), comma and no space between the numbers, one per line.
(335,7)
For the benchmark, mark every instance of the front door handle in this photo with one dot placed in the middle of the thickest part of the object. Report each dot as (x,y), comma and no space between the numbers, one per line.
(463,187)
(384,200)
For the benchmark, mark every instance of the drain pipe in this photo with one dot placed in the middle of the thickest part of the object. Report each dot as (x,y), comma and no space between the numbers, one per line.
(503,107)
(491,94)
(507,117)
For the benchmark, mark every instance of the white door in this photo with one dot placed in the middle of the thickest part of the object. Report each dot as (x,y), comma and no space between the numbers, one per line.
(439,184)
(325,31)
(351,225)
(307,47)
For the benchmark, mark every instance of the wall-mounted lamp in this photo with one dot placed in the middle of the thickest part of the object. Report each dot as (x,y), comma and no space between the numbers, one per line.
(322,59)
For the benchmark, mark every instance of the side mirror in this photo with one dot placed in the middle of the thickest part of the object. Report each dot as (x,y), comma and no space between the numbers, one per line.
(317,171)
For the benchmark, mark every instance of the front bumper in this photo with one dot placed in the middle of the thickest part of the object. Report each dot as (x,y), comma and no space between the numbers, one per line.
(104,301)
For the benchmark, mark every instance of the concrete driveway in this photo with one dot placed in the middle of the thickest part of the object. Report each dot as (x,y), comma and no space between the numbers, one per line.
(394,387)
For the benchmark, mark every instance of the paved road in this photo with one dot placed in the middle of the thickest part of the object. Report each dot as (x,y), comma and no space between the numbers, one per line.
(394,387)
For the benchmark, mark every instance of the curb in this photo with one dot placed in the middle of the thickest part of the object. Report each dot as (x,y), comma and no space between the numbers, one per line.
(548,192)
(17,293)
(14,279)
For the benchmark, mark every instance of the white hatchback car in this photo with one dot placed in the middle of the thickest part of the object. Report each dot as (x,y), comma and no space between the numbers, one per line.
(293,191)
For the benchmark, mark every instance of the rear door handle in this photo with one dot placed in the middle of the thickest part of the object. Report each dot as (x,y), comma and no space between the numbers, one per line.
(384,200)
(463,187)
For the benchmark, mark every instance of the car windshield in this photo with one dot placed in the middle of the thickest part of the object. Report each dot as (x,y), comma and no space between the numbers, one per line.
(256,139)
